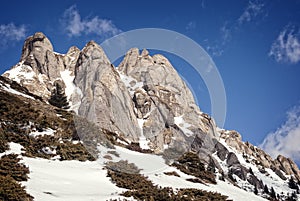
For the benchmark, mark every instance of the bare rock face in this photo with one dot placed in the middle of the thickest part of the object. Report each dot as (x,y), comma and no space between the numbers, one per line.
(40,67)
(288,166)
(159,79)
(105,100)
(165,103)
(70,59)
(257,156)
(38,53)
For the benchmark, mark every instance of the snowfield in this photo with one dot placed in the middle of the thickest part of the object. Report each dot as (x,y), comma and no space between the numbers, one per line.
(69,180)
(66,180)
(75,180)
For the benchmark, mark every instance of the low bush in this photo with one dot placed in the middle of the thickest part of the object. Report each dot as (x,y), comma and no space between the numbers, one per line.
(10,166)
(11,173)
(143,189)
(190,163)
(173,173)
(11,190)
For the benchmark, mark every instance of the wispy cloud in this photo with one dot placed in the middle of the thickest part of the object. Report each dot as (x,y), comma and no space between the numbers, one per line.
(74,25)
(191,26)
(226,32)
(215,50)
(253,9)
(202,4)
(11,33)
(286,48)
(286,139)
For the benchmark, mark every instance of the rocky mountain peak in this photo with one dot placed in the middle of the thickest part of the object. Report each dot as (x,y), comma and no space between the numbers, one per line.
(144,53)
(143,104)
(134,59)
(40,67)
(94,52)
(70,59)
(36,43)
(35,51)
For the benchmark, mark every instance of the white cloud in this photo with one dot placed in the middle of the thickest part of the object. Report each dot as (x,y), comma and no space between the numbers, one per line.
(229,28)
(215,50)
(286,139)
(191,26)
(286,48)
(11,32)
(75,26)
(252,10)
(225,31)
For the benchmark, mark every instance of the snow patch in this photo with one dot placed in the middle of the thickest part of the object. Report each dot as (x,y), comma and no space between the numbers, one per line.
(179,121)
(14,148)
(48,131)
(48,150)
(149,163)
(68,80)
(71,89)
(131,83)
(7,88)
(143,141)
(20,71)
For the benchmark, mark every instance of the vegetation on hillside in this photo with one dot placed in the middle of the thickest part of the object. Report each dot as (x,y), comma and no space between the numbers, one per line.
(141,188)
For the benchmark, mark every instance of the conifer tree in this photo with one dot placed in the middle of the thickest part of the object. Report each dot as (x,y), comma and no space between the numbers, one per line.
(273,193)
(293,184)
(58,98)
(266,189)
(255,190)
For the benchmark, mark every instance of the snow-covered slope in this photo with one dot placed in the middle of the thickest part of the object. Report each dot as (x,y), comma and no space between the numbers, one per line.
(74,180)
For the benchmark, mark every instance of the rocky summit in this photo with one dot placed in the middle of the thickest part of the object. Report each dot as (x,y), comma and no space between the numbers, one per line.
(133,131)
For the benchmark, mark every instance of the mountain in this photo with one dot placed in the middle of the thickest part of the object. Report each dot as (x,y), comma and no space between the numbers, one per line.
(126,132)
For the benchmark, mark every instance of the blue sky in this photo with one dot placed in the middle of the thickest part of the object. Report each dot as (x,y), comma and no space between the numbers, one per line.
(254,44)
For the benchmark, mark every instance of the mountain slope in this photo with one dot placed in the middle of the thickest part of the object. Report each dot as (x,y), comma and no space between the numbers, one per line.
(142,105)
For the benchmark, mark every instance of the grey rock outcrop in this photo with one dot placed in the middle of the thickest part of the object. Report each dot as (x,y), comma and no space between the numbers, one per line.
(287,165)
(40,66)
(105,100)
(256,155)
(165,102)
(38,53)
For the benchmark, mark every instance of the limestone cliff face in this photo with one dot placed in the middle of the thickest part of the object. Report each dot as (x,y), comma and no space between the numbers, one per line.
(40,66)
(258,157)
(165,103)
(105,100)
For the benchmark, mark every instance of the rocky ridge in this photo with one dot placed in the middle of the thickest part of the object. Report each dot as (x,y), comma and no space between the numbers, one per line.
(144,101)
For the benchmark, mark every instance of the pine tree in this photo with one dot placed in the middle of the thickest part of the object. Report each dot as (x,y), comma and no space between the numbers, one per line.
(251,171)
(58,98)
(273,193)
(255,190)
(293,184)
(266,189)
